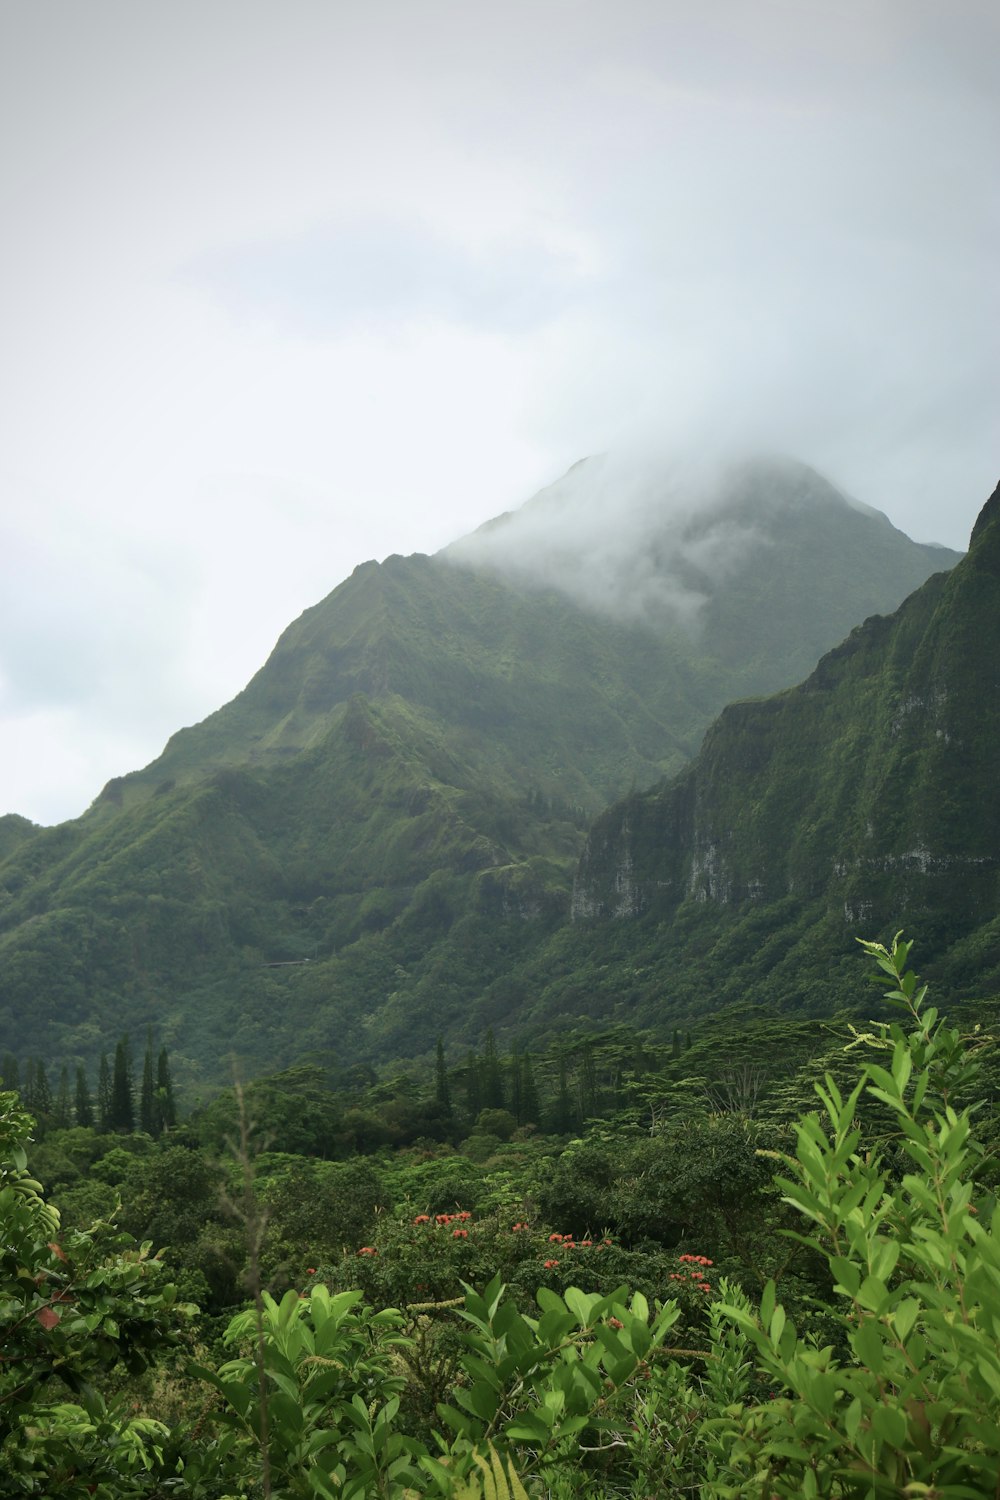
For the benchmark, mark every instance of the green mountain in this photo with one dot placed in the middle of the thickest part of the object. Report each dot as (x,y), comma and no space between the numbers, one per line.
(370,843)
(864,800)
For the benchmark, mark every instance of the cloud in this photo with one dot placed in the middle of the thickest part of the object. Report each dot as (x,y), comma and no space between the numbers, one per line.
(641,536)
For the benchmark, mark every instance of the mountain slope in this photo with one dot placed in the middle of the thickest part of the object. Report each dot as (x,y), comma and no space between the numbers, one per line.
(863,800)
(371,840)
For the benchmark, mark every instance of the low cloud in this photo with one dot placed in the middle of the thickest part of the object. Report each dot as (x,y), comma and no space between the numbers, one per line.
(640,536)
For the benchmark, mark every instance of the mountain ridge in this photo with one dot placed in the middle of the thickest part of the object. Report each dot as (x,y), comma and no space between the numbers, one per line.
(395,805)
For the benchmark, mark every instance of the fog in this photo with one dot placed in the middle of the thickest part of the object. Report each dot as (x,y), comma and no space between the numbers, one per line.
(288,287)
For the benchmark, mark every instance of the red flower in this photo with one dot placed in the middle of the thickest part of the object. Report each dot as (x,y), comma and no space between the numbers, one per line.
(367,1250)
(585,1244)
(460,1234)
(310,1270)
(615,1323)
(550,1263)
(463,1216)
(422,1219)
(517,1227)
(555,1239)
(442,1218)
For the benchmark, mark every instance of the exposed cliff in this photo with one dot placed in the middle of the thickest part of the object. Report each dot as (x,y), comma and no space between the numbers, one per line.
(867,796)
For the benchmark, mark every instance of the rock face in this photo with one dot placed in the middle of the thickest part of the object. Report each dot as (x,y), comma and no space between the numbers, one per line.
(868,795)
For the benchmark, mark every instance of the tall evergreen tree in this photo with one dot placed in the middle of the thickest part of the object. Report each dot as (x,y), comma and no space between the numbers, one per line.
(442,1093)
(41,1094)
(493,1094)
(530,1108)
(148,1113)
(589,1097)
(165,1108)
(62,1114)
(473,1088)
(104,1096)
(564,1115)
(10,1073)
(84,1109)
(122,1102)
(515,1087)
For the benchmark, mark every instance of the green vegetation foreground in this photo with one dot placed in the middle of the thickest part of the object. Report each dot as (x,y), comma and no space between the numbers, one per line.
(894,1390)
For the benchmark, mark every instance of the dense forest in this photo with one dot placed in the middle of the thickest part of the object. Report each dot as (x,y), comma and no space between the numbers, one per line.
(626,1264)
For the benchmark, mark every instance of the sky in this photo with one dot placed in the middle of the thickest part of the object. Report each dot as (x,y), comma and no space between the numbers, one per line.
(286,285)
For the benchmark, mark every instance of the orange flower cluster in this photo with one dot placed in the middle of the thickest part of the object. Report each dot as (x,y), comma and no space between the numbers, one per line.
(367,1250)
(461,1218)
(696,1274)
(520,1226)
(460,1234)
(550,1263)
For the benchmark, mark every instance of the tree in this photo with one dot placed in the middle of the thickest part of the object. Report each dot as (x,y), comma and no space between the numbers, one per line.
(148,1121)
(589,1097)
(442,1094)
(62,1112)
(564,1117)
(122,1114)
(84,1108)
(473,1089)
(492,1073)
(165,1108)
(514,1075)
(75,1304)
(104,1096)
(531,1112)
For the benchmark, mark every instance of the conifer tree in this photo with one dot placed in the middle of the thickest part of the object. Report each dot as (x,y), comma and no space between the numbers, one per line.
(564,1116)
(10,1073)
(492,1087)
(104,1096)
(530,1108)
(122,1115)
(473,1089)
(41,1094)
(589,1098)
(515,1089)
(148,1113)
(62,1114)
(165,1108)
(442,1093)
(84,1109)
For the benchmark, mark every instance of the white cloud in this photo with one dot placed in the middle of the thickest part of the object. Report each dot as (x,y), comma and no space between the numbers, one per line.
(287,287)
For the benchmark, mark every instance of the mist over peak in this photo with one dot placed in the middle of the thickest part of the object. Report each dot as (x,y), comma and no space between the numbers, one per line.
(649,538)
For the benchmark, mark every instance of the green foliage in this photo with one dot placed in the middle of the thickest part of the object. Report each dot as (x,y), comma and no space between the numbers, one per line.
(913,1405)
(313,1399)
(73,1306)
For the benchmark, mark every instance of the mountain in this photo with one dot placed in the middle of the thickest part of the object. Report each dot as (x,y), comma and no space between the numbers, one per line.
(862,801)
(370,842)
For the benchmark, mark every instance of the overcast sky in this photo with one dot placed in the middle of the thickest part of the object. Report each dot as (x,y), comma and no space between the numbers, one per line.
(289,284)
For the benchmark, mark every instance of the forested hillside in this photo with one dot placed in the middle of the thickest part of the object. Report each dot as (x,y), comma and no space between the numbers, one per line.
(863,797)
(368,844)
